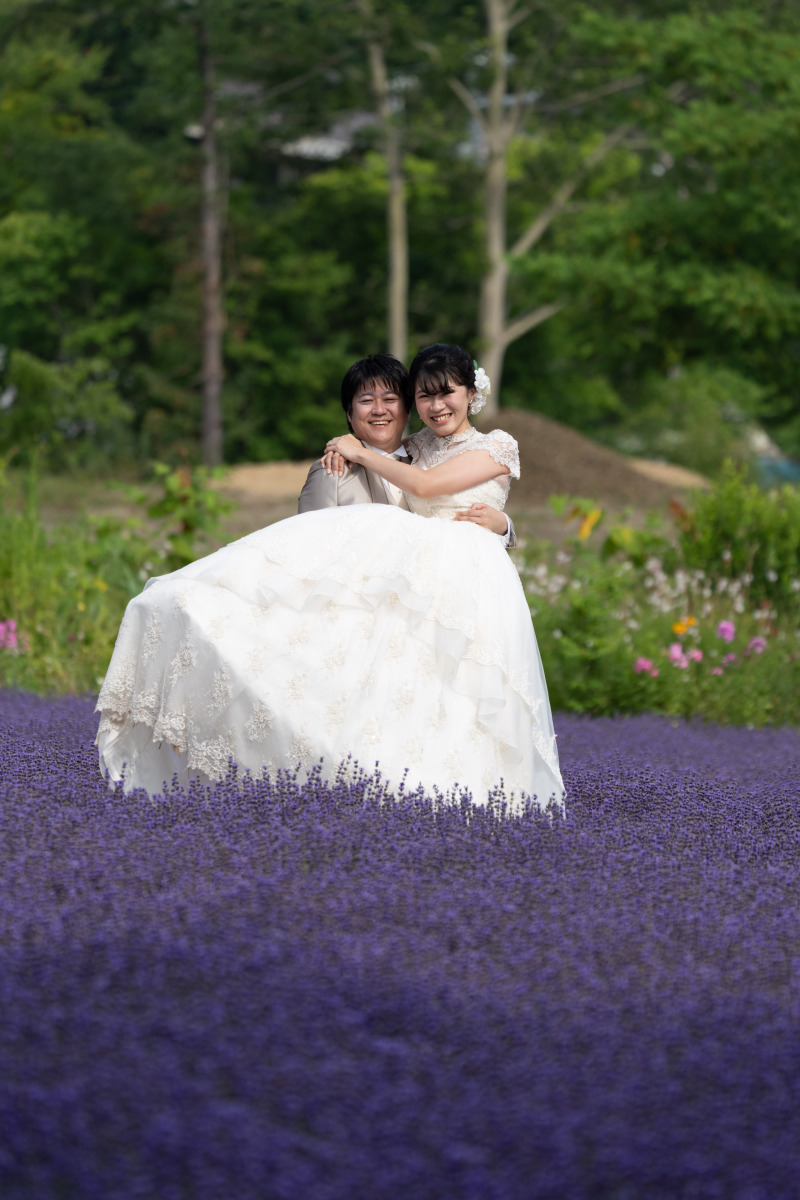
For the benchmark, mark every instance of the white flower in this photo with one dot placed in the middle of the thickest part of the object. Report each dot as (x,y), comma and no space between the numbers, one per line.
(482,382)
(483,388)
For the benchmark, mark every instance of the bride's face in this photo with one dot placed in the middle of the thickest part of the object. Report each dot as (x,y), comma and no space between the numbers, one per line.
(445,412)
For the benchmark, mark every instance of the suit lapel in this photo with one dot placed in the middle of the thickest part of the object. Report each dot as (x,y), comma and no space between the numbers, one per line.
(376,489)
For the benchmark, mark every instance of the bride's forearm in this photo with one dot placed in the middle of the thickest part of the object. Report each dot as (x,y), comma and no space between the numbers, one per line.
(465,471)
(409,479)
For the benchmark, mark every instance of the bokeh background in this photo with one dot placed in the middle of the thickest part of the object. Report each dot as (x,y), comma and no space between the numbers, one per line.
(207,211)
(271,988)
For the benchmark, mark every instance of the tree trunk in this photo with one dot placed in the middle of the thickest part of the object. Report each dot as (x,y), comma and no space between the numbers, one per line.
(398,251)
(397,219)
(499,123)
(213,316)
(497,131)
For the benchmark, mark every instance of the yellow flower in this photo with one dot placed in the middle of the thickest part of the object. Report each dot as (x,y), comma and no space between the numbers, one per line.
(101,585)
(81,606)
(679,627)
(588,523)
(689,621)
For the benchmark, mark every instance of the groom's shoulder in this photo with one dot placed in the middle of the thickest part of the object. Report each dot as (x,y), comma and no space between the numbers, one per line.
(322,490)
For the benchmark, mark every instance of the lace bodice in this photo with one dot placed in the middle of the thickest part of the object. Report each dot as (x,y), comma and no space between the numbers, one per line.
(427,450)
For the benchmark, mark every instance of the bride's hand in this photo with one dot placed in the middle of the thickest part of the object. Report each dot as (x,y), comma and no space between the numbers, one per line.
(483,514)
(333,462)
(345,448)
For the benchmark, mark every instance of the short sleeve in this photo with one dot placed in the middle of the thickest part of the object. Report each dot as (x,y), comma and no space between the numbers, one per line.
(503,449)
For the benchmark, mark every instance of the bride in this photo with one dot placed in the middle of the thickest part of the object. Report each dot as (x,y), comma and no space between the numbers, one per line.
(397,639)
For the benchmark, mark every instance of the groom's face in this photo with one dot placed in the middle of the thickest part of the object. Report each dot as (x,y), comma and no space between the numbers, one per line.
(378,416)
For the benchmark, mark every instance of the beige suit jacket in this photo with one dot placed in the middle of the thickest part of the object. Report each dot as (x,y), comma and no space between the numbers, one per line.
(356,486)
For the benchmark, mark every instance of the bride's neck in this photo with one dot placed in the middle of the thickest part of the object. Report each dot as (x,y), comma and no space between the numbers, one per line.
(465,428)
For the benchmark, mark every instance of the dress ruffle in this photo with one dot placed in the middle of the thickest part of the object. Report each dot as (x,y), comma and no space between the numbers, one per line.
(333,635)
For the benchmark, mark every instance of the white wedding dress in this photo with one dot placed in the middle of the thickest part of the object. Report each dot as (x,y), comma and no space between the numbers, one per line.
(388,636)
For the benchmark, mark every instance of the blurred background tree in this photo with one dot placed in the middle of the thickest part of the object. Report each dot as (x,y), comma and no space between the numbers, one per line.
(599,198)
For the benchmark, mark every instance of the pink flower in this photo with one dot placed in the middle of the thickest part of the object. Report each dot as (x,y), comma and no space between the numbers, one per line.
(717,671)
(726,630)
(643,666)
(756,645)
(654,672)
(8,634)
(729,658)
(677,657)
(695,655)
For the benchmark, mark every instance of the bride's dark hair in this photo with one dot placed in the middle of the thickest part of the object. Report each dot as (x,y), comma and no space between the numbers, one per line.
(440,368)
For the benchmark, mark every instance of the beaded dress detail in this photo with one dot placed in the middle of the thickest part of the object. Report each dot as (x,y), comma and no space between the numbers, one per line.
(364,632)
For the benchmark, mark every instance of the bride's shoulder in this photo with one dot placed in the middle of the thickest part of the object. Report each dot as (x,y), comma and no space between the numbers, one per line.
(503,449)
(417,443)
(419,438)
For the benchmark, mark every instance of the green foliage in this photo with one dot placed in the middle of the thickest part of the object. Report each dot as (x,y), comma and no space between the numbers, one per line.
(67,589)
(69,412)
(67,593)
(737,530)
(617,639)
(616,599)
(675,253)
(698,416)
(38,256)
(191,505)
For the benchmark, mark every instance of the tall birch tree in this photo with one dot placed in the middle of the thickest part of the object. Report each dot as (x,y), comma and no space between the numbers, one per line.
(396,208)
(503,114)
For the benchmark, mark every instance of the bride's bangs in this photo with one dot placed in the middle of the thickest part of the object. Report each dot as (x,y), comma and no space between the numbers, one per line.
(433,381)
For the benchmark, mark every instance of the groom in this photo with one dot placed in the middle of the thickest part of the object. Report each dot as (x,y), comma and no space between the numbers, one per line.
(376,404)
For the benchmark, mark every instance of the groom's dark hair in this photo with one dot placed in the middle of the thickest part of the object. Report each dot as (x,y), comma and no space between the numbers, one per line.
(375,368)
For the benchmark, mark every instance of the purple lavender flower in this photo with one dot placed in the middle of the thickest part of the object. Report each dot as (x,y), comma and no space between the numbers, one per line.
(281,988)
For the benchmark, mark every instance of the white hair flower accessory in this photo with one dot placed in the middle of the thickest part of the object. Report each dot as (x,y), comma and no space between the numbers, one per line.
(483,388)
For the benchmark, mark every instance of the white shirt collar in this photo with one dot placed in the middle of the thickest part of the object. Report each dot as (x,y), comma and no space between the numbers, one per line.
(400,452)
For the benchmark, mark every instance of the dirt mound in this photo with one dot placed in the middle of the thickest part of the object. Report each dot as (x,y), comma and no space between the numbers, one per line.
(557,460)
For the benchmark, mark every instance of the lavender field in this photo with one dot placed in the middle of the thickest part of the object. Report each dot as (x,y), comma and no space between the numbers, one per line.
(281,992)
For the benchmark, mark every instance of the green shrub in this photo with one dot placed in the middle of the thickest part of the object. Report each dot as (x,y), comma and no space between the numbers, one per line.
(738,531)
(65,591)
(638,619)
(69,412)
(698,416)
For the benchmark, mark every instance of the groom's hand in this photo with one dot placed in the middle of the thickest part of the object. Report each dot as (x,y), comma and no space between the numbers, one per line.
(483,514)
(345,448)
